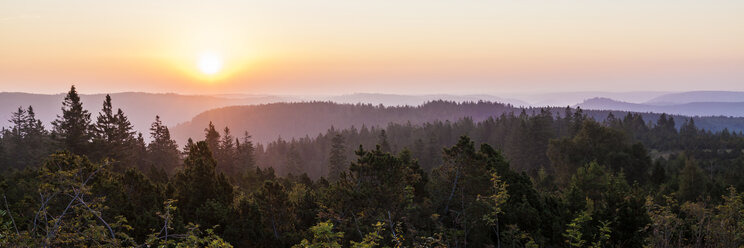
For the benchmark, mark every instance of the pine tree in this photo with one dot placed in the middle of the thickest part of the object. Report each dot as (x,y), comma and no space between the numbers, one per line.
(226,155)
(293,162)
(337,163)
(199,183)
(383,142)
(212,137)
(246,153)
(27,142)
(162,151)
(73,128)
(188,146)
(37,137)
(138,156)
(692,182)
(105,127)
(3,152)
(114,137)
(15,146)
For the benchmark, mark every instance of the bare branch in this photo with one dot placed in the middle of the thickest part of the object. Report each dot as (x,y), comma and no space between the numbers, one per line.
(99,217)
(10,214)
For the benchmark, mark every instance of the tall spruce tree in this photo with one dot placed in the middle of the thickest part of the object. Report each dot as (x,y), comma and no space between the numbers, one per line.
(246,153)
(199,183)
(37,138)
(114,137)
(692,182)
(73,128)
(27,142)
(383,142)
(226,155)
(162,151)
(3,156)
(212,137)
(337,159)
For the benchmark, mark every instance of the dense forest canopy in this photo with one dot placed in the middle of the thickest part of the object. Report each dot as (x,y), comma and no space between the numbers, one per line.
(496,176)
(268,122)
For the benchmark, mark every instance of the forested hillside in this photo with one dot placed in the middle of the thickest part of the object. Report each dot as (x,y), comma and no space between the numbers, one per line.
(526,178)
(268,122)
(141,107)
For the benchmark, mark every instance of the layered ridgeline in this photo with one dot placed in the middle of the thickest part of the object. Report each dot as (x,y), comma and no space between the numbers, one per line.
(269,122)
(141,108)
(296,138)
(625,181)
(709,108)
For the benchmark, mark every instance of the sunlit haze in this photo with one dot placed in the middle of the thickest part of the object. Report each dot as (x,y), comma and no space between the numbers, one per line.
(338,47)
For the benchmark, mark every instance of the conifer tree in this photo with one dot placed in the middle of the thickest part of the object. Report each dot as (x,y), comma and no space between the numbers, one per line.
(34,141)
(246,153)
(162,151)
(293,162)
(337,163)
(114,137)
(212,137)
(692,182)
(199,183)
(383,142)
(226,154)
(188,146)
(37,138)
(73,128)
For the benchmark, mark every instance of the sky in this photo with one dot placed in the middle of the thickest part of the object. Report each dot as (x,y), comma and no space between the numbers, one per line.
(341,46)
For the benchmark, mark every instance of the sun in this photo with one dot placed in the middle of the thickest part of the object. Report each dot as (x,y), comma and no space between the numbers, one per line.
(210,63)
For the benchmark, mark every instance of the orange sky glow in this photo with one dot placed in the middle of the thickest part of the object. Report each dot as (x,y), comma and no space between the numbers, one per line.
(337,47)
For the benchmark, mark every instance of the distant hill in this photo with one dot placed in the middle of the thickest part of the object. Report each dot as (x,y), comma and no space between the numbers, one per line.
(735,109)
(141,108)
(562,99)
(303,117)
(415,100)
(698,96)
(268,122)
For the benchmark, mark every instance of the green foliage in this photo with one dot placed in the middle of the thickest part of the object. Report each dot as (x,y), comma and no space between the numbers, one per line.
(323,237)
(371,239)
(574,234)
(540,178)
(692,182)
(73,129)
(114,138)
(495,200)
(199,184)
(26,142)
(162,151)
(337,159)
(665,224)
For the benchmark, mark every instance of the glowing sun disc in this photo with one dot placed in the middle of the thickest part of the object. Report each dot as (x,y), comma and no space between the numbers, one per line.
(210,63)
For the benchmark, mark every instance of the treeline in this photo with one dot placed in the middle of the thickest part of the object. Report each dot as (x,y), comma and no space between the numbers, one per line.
(525,138)
(518,180)
(268,122)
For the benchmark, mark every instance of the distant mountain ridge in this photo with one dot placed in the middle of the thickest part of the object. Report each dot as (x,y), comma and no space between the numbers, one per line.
(735,109)
(415,100)
(698,96)
(268,122)
(140,108)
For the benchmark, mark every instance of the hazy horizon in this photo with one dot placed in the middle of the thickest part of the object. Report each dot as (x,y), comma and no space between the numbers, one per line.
(338,47)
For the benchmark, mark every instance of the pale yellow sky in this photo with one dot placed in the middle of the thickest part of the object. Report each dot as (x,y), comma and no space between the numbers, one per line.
(336,46)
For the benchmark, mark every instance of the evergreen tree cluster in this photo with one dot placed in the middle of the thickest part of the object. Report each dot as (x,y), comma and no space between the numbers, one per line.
(538,179)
